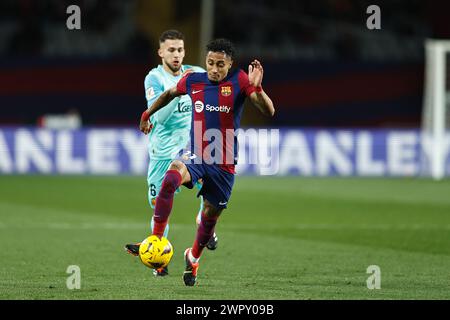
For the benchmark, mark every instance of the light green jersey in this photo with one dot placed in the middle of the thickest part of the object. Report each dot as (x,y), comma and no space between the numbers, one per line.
(172,124)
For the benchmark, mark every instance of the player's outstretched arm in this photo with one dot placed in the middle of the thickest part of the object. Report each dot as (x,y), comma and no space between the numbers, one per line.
(145,126)
(259,98)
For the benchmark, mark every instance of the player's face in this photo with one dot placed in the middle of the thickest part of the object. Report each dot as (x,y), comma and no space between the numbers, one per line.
(172,54)
(217,65)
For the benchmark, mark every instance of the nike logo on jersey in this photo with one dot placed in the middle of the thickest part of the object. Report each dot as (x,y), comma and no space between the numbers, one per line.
(222,203)
(196,91)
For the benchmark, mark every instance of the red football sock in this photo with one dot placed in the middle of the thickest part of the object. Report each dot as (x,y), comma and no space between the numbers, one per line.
(204,232)
(164,201)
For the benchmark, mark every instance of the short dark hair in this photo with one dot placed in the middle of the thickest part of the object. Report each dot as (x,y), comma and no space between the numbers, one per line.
(222,45)
(171,35)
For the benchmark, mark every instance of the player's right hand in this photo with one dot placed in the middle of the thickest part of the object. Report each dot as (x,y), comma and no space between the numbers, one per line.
(145,126)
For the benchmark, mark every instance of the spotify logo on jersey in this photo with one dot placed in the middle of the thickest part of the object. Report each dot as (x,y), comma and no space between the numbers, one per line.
(198,105)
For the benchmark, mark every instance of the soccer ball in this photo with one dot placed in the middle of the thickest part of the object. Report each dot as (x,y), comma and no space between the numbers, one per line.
(155,253)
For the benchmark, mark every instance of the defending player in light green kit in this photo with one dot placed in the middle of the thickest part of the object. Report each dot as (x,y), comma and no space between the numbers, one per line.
(171,125)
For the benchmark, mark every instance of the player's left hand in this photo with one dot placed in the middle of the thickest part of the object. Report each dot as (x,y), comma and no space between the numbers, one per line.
(145,126)
(255,73)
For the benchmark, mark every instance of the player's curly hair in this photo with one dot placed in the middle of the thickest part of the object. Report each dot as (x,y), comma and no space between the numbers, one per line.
(171,35)
(222,45)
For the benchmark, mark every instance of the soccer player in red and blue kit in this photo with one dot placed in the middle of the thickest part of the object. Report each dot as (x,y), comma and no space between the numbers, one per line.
(217,97)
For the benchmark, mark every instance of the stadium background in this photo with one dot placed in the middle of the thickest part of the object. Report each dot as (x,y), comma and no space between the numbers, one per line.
(327,74)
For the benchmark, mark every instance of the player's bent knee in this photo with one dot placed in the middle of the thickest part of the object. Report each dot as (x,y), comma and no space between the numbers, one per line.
(176,165)
(182,169)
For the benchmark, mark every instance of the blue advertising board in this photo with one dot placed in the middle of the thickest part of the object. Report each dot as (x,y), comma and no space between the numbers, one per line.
(293,151)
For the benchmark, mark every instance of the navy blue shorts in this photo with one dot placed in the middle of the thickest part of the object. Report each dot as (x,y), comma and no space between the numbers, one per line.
(217,183)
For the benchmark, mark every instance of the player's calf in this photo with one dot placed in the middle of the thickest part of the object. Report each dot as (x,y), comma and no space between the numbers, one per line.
(205,232)
(214,240)
(164,201)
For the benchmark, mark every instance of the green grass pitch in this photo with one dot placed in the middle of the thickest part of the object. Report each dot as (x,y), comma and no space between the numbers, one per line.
(280,238)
